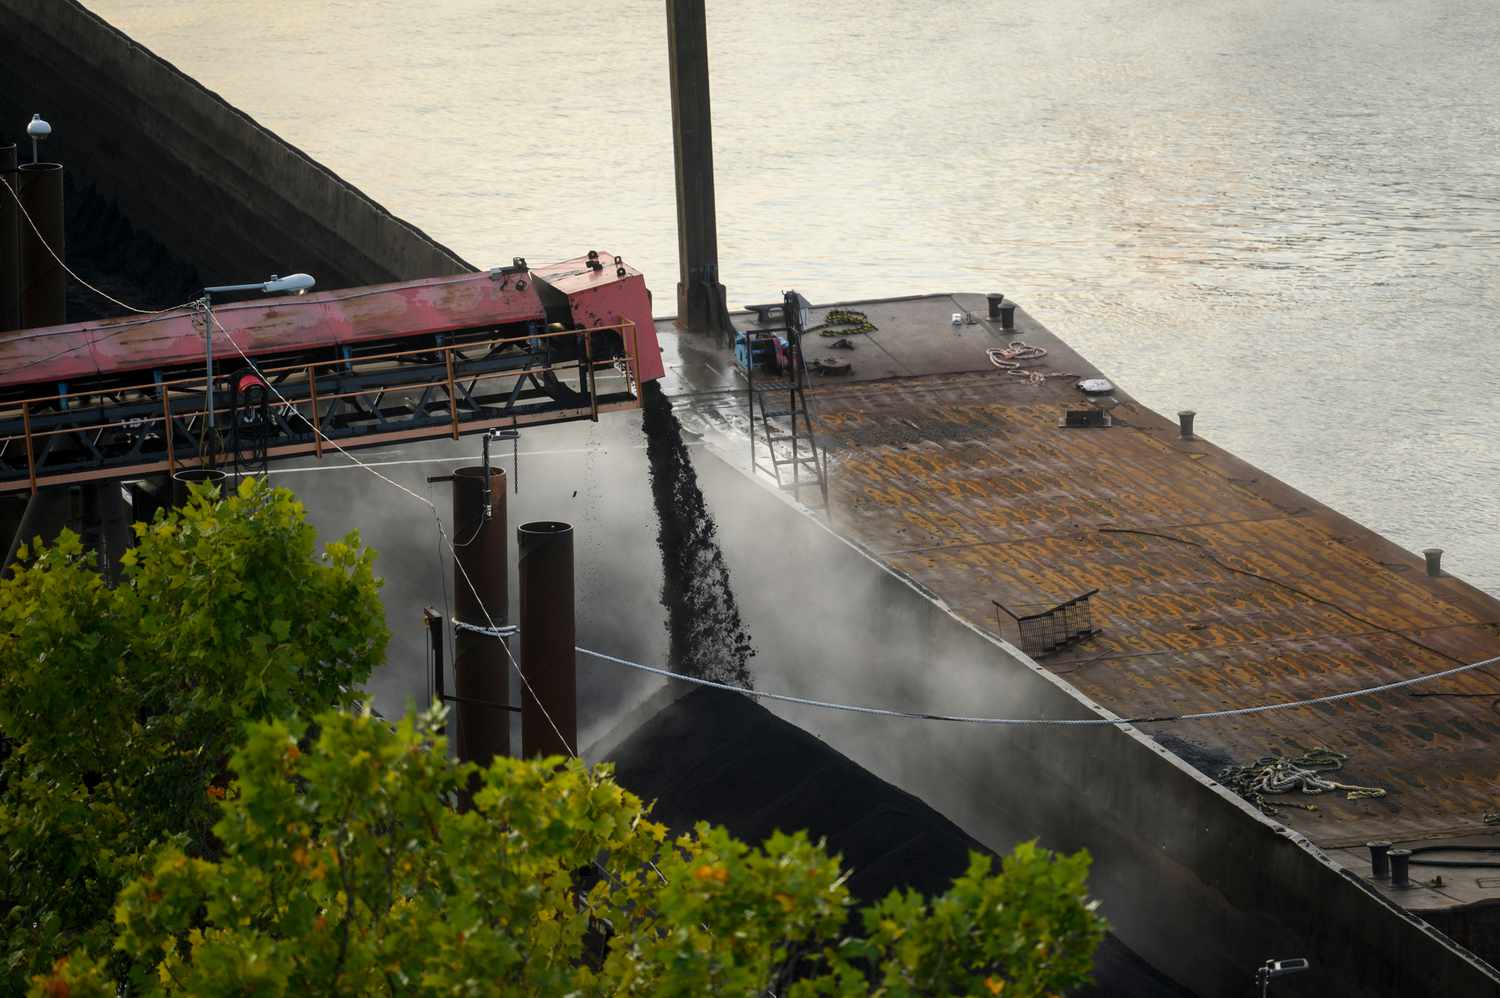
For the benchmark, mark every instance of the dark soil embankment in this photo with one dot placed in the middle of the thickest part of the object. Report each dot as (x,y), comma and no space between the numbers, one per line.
(707,638)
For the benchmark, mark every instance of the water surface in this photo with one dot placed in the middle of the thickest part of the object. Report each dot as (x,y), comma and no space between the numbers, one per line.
(1282,214)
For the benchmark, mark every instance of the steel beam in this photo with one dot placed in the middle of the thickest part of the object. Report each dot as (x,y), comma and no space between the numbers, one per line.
(151,427)
(106,522)
(549,697)
(47,512)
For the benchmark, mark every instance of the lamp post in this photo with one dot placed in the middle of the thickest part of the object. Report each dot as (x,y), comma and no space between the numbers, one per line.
(298,283)
(37,130)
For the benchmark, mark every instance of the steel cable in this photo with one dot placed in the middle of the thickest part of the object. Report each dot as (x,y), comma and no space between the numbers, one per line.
(495,632)
(442,534)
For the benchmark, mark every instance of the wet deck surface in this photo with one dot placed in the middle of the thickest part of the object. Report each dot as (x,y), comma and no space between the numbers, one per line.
(1218,585)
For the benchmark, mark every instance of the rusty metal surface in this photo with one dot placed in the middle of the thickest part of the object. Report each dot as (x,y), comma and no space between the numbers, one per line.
(1432,887)
(325,319)
(274,326)
(604,299)
(549,697)
(1248,593)
(42,281)
(299,397)
(481,672)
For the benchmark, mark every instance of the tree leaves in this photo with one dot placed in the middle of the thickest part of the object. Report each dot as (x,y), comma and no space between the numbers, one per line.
(123,704)
(346,869)
(167,816)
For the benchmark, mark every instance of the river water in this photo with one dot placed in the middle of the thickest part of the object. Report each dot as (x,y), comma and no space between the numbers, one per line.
(1282,214)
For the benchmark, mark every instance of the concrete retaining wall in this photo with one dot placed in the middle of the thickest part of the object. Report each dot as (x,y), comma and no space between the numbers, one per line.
(200,176)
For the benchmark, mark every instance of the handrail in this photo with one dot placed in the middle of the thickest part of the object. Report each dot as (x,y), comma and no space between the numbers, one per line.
(309,372)
(417,351)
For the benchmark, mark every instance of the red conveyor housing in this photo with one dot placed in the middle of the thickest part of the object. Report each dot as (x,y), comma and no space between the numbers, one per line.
(435,357)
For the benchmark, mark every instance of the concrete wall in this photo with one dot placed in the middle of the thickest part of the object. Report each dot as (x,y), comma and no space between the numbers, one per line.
(1192,878)
(201,177)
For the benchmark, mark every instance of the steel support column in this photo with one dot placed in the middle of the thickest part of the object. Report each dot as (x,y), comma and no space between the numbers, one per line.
(47,512)
(481,670)
(10,242)
(700,296)
(106,522)
(44,283)
(549,720)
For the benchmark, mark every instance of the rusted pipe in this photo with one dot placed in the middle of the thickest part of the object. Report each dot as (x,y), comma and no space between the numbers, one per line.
(481,670)
(549,697)
(43,282)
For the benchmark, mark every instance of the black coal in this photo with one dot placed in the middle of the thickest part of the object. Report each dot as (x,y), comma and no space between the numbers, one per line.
(707,638)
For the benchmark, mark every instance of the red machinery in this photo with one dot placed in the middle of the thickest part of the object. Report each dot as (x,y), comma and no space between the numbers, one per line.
(419,359)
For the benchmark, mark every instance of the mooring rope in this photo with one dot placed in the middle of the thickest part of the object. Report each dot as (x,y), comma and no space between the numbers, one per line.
(1010,358)
(1277,774)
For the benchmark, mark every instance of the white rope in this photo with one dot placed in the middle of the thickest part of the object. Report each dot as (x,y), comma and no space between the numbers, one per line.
(42,239)
(442,533)
(1010,358)
(1091,721)
(489,632)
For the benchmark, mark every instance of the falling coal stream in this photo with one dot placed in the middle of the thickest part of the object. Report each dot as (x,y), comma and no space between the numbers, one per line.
(707,638)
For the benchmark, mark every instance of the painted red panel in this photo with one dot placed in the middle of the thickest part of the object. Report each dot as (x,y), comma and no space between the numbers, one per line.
(47,355)
(270,326)
(328,318)
(604,298)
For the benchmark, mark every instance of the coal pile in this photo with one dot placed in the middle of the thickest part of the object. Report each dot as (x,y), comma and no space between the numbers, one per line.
(106,250)
(707,638)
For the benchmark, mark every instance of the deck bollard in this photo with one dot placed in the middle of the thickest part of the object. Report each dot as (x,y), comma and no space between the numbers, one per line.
(1399,859)
(1008,315)
(994,298)
(1434,558)
(1185,423)
(1380,861)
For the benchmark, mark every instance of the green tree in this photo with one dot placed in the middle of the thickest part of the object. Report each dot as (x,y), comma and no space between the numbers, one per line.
(345,870)
(120,706)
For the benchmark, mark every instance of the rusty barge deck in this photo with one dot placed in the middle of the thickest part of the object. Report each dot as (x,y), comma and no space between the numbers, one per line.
(1218,586)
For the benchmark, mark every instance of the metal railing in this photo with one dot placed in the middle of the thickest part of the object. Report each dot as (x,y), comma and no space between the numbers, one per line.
(360,400)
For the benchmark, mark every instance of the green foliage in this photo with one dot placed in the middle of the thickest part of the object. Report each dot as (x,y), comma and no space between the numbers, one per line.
(121,705)
(345,871)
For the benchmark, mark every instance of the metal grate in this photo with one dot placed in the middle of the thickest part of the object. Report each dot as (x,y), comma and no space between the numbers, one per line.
(1050,630)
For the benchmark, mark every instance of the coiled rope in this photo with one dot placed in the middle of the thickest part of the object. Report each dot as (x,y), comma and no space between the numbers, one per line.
(1276,774)
(1010,358)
